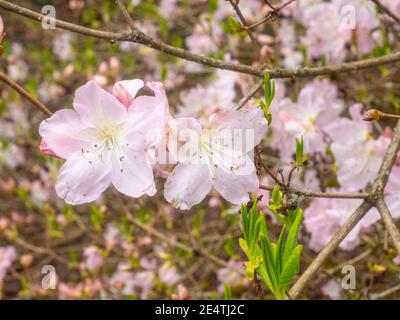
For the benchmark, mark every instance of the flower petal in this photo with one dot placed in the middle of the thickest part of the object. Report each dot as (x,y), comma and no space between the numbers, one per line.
(247,124)
(235,184)
(125,91)
(146,123)
(98,107)
(187,185)
(82,180)
(132,174)
(62,133)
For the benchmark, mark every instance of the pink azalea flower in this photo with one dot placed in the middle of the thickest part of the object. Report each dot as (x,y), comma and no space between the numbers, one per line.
(358,155)
(7,257)
(105,143)
(333,289)
(317,105)
(168,275)
(326,36)
(94,258)
(228,276)
(213,161)
(324,217)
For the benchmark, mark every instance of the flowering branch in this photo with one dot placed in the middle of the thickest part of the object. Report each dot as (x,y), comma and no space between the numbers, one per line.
(138,36)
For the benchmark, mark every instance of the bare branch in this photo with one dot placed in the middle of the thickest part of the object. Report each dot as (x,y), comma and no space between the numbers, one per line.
(317,194)
(239,13)
(141,38)
(389,223)
(7,80)
(386,10)
(377,190)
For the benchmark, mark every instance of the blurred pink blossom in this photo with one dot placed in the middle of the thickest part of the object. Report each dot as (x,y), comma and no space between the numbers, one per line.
(7,257)
(94,258)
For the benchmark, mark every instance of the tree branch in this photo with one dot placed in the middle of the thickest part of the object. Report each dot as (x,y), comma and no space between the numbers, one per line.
(377,190)
(317,194)
(7,80)
(386,10)
(141,38)
(389,223)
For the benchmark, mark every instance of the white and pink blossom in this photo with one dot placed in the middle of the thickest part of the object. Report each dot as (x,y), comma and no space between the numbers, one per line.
(104,142)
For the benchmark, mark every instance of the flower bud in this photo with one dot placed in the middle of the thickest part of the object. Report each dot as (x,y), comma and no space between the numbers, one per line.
(122,95)
(371,115)
(1,29)
(26,260)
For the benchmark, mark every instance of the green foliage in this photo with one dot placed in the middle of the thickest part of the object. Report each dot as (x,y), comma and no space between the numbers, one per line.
(276,263)
(227,292)
(301,158)
(234,25)
(269,94)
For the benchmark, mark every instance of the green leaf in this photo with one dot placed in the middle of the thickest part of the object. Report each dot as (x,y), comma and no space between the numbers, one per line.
(300,157)
(276,195)
(292,237)
(227,292)
(279,249)
(234,25)
(290,268)
(269,93)
(269,264)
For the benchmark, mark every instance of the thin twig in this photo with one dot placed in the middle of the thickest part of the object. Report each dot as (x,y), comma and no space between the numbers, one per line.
(386,10)
(141,38)
(239,13)
(11,83)
(181,246)
(380,295)
(272,13)
(253,90)
(389,223)
(317,194)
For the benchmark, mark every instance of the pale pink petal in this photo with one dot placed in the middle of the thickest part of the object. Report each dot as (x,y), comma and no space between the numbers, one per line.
(248,124)
(82,180)
(1,29)
(62,133)
(132,174)
(146,123)
(125,91)
(43,147)
(180,132)
(159,93)
(235,183)
(187,185)
(98,107)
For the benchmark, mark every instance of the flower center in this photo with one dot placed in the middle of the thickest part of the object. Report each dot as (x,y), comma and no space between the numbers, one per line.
(109,135)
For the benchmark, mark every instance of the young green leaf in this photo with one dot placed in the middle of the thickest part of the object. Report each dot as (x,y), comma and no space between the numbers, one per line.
(292,237)
(227,292)
(290,268)
(268,259)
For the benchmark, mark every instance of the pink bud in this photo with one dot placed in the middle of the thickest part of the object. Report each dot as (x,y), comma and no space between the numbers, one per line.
(45,149)
(122,95)
(103,68)
(115,65)
(1,29)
